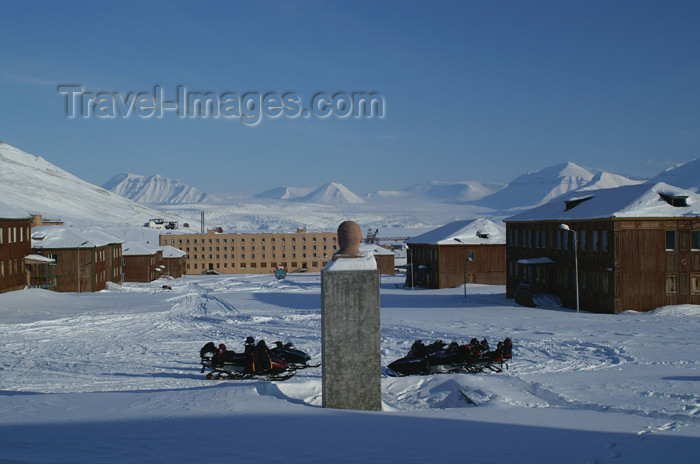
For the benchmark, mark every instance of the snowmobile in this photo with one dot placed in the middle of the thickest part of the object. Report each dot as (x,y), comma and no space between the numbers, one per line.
(294,358)
(440,357)
(256,361)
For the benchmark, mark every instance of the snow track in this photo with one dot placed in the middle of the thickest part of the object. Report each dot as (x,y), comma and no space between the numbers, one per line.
(138,345)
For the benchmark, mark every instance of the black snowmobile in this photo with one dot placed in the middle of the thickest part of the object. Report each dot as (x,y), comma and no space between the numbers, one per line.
(256,361)
(440,357)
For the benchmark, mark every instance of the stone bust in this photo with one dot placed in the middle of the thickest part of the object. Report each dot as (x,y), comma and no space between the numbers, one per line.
(349,239)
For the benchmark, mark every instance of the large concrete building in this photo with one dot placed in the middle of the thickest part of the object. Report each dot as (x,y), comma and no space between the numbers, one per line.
(253,253)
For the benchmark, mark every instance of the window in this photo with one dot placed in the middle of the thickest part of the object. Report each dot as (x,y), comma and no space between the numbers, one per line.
(670,240)
(582,241)
(470,255)
(604,240)
(695,284)
(594,240)
(695,239)
(671,283)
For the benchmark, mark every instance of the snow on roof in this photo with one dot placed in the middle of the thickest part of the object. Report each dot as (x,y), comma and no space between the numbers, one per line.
(364,262)
(137,249)
(38,259)
(10,212)
(51,237)
(172,252)
(374,249)
(631,201)
(470,232)
(70,237)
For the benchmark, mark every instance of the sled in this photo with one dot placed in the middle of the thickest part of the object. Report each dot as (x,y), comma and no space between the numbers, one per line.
(442,358)
(256,361)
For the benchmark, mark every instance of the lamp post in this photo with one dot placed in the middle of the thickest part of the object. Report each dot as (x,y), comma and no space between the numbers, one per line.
(409,252)
(464,264)
(569,229)
(79,267)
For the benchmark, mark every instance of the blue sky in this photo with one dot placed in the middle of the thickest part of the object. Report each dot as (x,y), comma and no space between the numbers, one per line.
(473,90)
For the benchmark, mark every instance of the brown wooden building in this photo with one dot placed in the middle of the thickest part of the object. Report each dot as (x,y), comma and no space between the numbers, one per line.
(253,253)
(15,244)
(637,248)
(174,261)
(142,263)
(472,251)
(385,258)
(85,259)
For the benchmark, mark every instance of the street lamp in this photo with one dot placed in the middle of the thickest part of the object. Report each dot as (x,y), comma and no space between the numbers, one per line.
(464,264)
(85,242)
(569,229)
(409,252)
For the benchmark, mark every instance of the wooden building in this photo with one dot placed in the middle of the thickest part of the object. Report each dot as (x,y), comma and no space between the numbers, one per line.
(384,257)
(85,259)
(174,261)
(142,263)
(628,248)
(469,251)
(15,245)
(253,253)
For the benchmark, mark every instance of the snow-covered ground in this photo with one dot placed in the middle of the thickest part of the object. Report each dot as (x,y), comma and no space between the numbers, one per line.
(113,377)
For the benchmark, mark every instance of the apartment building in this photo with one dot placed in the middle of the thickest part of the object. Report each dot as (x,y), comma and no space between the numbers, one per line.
(253,253)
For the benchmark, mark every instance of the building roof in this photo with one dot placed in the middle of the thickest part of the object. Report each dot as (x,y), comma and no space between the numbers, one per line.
(631,201)
(51,237)
(172,252)
(470,232)
(374,249)
(138,249)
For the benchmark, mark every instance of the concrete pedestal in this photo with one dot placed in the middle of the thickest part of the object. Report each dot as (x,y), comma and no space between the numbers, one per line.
(350,322)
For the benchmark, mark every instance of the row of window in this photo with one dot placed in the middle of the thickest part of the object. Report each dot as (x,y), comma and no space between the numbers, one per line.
(678,284)
(264,265)
(596,282)
(251,256)
(252,248)
(588,240)
(240,240)
(14,234)
(12,268)
(672,240)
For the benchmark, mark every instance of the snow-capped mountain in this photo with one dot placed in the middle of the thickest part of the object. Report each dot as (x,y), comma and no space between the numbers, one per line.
(538,187)
(331,193)
(34,185)
(284,193)
(685,175)
(154,189)
(449,192)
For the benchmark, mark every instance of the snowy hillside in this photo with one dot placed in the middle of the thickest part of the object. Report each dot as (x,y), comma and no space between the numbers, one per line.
(686,175)
(448,192)
(284,193)
(537,187)
(154,189)
(330,194)
(114,377)
(33,184)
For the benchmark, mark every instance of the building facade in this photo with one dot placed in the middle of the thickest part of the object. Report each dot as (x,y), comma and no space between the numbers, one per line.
(470,251)
(85,260)
(142,263)
(15,245)
(630,248)
(253,253)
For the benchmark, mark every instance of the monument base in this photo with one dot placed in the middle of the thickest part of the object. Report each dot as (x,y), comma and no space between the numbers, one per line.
(350,321)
